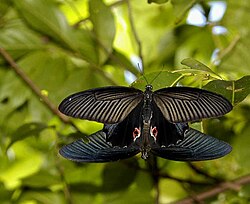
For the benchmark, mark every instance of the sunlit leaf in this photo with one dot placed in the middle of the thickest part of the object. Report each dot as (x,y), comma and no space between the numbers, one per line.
(27,161)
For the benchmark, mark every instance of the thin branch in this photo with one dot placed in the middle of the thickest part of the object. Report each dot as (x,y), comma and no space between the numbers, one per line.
(223,186)
(184,181)
(137,39)
(36,90)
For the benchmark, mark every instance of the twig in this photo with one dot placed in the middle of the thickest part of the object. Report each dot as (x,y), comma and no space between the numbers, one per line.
(233,185)
(137,39)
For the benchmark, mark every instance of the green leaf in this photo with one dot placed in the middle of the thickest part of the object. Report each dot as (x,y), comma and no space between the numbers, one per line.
(13,94)
(221,87)
(234,91)
(104,27)
(242,89)
(196,65)
(45,17)
(158,80)
(85,45)
(18,40)
(27,130)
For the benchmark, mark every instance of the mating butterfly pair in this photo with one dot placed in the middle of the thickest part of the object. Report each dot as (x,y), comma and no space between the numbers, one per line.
(146,122)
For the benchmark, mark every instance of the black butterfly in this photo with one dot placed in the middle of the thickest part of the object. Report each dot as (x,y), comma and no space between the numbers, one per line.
(146,122)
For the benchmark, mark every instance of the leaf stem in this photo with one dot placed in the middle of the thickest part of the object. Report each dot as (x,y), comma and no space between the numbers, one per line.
(221,187)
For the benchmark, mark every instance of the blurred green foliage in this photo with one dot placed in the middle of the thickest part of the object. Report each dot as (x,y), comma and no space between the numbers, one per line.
(64,46)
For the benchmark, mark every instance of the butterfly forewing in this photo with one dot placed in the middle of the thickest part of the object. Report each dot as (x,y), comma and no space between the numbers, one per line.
(184,104)
(96,150)
(195,146)
(107,105)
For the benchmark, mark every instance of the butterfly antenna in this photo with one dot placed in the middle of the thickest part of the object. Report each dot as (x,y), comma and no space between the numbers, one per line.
(138,65)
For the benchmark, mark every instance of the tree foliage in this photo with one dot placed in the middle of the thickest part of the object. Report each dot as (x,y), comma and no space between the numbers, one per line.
(50,49)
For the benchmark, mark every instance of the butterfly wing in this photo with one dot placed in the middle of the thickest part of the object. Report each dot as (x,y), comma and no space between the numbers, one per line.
(167,133)
(121,134)
(107,105)
(195,146)
(96,150)
(184,104)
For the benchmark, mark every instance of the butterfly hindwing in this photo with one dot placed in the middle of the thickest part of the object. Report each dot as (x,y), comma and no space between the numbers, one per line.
(195,146)
(167,133)
(96,150)
(122,134)
(107,105)
(184,104)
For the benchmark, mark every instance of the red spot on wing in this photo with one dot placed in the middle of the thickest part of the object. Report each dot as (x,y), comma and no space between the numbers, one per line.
(136,133)
(154,132)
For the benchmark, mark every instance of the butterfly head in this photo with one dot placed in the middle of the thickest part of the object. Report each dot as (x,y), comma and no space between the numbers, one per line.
(149,87)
